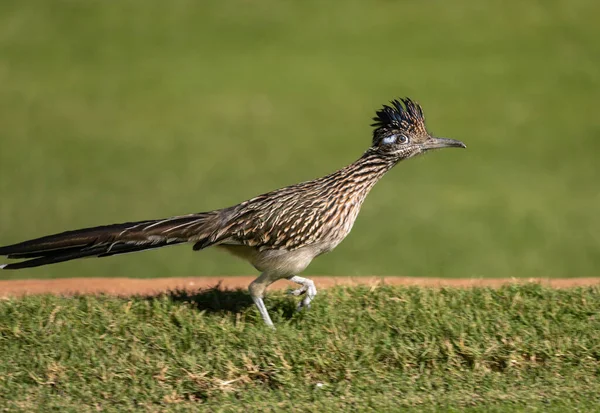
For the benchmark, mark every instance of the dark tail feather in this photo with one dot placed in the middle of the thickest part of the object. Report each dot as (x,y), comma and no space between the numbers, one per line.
(67,255)
(108,240)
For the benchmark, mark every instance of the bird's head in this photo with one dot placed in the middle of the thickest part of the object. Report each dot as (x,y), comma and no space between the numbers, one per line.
(400,132)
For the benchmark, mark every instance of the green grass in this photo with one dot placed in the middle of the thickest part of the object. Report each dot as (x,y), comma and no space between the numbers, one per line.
(525,348)
(113,111)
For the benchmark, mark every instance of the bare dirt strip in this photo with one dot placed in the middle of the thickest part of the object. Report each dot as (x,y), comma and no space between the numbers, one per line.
(136,286)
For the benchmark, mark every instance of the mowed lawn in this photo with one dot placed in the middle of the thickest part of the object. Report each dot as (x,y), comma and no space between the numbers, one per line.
(518,348)
(129,110)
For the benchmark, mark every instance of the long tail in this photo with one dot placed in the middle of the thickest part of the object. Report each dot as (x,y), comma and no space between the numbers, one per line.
(113,239)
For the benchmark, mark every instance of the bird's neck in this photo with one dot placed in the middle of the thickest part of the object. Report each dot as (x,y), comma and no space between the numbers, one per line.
(357,179)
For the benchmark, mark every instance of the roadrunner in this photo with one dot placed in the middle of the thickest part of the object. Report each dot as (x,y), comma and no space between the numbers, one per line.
(279,232)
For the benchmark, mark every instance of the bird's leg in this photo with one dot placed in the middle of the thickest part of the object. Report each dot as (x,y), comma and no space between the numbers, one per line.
(257,289)
(308,287)
(262,309)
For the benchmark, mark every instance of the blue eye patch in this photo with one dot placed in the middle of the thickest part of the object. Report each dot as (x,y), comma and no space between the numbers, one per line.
(390,139)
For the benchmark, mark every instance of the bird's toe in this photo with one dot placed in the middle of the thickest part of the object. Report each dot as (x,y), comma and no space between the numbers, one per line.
(299,291)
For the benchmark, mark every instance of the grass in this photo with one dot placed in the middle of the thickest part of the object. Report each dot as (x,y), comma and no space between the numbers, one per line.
(117,111)
(525,348)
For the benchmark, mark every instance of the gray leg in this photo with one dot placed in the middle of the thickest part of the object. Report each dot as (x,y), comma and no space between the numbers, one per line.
(257,289)
(308,287)
(263,311)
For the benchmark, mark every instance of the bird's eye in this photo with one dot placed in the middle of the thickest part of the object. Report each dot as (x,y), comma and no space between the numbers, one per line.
(395,139)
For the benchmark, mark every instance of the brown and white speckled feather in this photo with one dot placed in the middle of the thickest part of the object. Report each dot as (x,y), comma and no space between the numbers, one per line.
(320,211)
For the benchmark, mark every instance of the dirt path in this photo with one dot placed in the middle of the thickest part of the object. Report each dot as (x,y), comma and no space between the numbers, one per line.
(130,286)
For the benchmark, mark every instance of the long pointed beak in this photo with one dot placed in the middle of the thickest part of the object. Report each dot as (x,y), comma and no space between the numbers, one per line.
(438,143)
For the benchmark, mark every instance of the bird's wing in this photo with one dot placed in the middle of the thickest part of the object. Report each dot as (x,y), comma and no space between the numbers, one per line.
(277,220)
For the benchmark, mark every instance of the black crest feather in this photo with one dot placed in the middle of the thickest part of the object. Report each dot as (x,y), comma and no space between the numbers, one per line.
(402,114)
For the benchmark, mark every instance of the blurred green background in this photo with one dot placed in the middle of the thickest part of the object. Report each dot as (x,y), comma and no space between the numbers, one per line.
(113,111)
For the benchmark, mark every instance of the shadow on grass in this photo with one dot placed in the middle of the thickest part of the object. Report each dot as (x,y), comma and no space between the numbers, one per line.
(218,300)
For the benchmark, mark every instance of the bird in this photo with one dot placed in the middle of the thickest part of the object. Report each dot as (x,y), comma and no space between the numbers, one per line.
(279,232)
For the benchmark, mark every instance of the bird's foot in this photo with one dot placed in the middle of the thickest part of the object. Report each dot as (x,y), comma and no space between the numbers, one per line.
(298,292)
(308,288)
